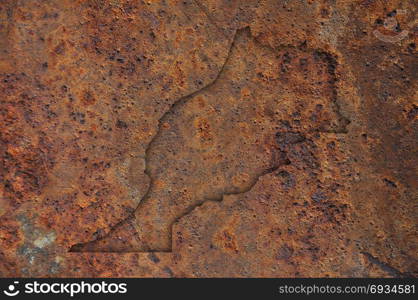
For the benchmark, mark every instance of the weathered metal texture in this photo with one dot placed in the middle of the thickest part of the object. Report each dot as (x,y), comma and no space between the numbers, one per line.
(235,138)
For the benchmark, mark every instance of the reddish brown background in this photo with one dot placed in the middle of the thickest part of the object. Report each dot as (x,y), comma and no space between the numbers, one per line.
(289,124)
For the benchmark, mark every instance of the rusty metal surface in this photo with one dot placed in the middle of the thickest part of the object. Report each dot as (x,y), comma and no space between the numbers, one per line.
(208,138)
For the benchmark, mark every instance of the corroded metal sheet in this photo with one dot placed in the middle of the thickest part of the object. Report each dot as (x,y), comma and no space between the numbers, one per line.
(208,138)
